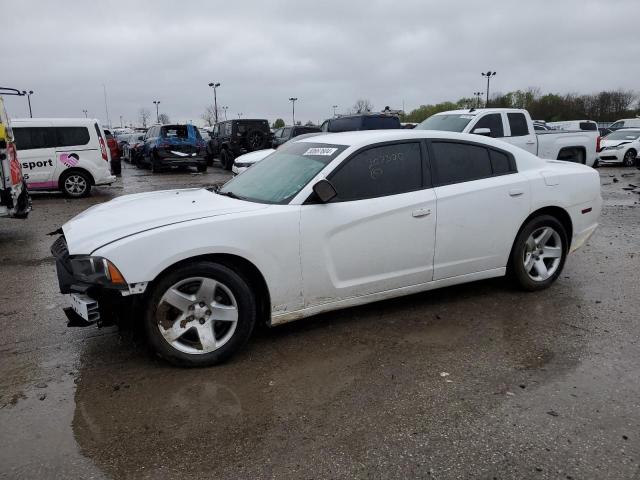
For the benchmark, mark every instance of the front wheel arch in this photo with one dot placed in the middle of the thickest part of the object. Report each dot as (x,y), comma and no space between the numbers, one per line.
(244,268)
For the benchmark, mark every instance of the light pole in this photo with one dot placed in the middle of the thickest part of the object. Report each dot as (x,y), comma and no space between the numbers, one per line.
(224,109)
(85,113)
(28,93)
(240,115)
(157,104)
(477,95)
(489,74)
(215,100)
(334,110)
(120,121)
(293,109)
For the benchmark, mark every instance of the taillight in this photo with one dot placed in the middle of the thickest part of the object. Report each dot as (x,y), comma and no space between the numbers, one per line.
(164,145)
(103,150)
(14,165)
(598,148)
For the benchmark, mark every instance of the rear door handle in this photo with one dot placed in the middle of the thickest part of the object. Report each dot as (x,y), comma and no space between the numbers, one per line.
(421,212)
(516,192)
(530,142)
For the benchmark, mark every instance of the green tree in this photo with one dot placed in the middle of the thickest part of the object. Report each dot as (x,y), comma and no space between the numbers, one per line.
(279,123)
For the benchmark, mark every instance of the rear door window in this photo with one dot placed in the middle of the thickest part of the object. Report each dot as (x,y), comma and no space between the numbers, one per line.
(72,136)
(460,162)
(379,171)
(518,124)
(286,132)
(492,121)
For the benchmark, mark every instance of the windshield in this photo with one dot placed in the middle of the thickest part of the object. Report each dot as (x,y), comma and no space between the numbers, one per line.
(623,135)
(448,123)
(280,176)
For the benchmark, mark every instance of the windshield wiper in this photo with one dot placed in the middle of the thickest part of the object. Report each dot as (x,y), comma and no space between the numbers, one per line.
(229,194)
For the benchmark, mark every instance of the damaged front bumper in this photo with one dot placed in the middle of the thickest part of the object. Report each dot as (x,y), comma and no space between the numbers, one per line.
(93,304)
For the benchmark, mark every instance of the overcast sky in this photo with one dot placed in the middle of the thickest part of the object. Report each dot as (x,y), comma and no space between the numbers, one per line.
(324,52)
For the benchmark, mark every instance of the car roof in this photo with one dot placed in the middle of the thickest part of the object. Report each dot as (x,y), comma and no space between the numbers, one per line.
(55,121)
(476,111)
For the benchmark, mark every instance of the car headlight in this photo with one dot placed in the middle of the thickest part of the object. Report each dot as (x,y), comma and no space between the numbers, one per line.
(97,270)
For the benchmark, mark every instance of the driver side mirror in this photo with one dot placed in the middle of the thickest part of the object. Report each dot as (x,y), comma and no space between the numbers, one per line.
(482,131)
(324,190)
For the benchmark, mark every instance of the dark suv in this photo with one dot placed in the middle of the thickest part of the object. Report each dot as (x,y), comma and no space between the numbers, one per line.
(284,134)
(368,121)
(232,138)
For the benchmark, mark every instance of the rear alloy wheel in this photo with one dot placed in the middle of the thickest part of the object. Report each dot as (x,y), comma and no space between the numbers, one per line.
(76,184)
(629,159)
(200,314)
(539,253)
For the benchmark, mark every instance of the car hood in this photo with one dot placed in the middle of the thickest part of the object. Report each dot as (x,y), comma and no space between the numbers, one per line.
(254,157)
(613,143)
(131,214)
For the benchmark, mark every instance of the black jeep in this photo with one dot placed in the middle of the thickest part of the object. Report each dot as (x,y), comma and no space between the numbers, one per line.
(232,138)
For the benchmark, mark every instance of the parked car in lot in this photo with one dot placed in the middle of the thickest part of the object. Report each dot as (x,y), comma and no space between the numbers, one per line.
(132,147)
(323,223)
(625,123)
(241,163)
(67,154)
(284,134)
(114,149)
(621,146)
(14,196)
(171,146)
(515,126)
(232,138)
(364,121)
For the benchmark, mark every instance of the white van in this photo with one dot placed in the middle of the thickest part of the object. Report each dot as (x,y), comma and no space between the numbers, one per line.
(67,154)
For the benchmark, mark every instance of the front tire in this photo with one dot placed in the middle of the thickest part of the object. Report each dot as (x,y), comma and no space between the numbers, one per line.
(199,314)
(539,253)
(629,159)
(226,159)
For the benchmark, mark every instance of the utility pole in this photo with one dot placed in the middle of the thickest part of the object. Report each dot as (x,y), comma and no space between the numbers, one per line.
(334,110)
(293,109)
(106,108)
(28,93)
(489,74)
(215,100)
(477,95)
(120,121)
(157,104)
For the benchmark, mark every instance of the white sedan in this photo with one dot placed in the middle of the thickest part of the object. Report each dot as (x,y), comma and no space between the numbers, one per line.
(621,146)
(241,163)
(323,223)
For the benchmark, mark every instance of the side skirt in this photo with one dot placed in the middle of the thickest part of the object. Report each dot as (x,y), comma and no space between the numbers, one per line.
(280,318)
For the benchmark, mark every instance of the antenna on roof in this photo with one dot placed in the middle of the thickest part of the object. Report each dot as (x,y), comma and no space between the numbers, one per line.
(472,110)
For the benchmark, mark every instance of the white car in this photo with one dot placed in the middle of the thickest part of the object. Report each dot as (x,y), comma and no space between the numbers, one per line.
(621,146)
(241,163)
(68,154)
(323,223)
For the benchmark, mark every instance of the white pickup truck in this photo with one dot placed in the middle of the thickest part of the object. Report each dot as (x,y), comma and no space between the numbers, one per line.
(515,126)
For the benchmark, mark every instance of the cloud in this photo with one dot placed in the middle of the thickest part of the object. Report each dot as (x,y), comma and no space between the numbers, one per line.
(325,53)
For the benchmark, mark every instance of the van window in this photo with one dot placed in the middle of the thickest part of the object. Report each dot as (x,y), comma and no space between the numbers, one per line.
(29,138)
(518,124)
(72,136)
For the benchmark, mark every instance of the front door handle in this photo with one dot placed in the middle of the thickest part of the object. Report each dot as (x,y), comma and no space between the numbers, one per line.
(516,192)
(421,212)
(531,142)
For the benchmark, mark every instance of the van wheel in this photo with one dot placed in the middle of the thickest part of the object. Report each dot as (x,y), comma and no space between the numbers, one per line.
(199,314)
(539,253)
(75,184)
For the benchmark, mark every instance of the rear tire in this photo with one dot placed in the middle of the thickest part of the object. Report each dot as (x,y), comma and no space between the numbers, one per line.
(539,253)
(190,334)
(75,184)
(155,167)
(202,168)
(226,159)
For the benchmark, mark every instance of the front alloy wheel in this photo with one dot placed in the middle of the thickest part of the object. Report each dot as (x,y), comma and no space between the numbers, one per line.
(200,314)
(629,159)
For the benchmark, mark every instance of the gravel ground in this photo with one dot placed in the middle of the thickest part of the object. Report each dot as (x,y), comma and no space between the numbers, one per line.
(473,381)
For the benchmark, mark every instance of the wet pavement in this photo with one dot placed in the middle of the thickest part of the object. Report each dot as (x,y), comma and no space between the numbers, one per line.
(473,381)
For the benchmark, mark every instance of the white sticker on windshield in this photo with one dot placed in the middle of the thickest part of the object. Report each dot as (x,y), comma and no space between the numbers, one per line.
(322,152)
(468,117)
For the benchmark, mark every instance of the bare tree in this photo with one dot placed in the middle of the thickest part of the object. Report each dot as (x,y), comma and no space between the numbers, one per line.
(209,115)
(163,118)
(144,115)
(362,105)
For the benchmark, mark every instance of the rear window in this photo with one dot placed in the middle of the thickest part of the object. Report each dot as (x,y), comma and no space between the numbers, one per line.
(380,123)
(174,131)
(344,124)
(588,126)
